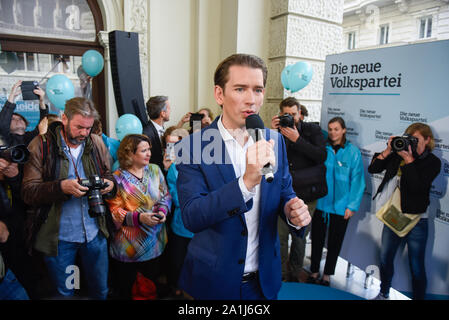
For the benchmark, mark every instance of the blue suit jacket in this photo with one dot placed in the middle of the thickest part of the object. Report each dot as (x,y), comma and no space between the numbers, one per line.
(213,209)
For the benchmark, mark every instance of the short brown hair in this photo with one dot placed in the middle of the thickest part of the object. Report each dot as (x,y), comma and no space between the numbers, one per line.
(155,105)
(239,59)
(304,111)
(81,106)
(424,130)
(128,146)
(289,102)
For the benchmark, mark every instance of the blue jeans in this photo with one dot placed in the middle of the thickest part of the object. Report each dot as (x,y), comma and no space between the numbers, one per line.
(416,241)
(94,257)
(11,289)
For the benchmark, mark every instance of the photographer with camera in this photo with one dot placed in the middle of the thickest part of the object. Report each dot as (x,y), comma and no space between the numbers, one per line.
(68,216)
(14,262)
(139,212)
(178,237)
(409,163)
(204,115)
(306,153)
(13,125)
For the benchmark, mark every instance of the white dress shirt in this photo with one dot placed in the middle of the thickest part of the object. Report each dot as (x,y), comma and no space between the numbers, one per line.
(237,153)
(160,130)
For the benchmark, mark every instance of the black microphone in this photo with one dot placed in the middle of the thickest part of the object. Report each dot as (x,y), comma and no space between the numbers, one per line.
(255,127)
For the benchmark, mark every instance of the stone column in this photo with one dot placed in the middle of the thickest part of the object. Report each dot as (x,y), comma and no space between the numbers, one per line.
(301,30)
(111,108)
(136,20)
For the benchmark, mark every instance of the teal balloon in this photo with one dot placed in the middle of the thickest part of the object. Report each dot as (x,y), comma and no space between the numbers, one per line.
(115,166)
(59,89)
(127,124)
(300,76)
(285,75)
(112,145)
(92,62)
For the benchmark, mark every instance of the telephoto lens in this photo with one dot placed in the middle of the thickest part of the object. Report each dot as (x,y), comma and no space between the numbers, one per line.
(16,154)
(94,198)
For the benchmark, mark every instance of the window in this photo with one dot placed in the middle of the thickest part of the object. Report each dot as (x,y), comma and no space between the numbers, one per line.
(384,33)
(351,40)
(61,19)
(35,34)
(425,28)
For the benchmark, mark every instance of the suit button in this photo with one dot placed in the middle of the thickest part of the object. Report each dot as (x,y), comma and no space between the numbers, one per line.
(241,261)
(233,211)
(244,233)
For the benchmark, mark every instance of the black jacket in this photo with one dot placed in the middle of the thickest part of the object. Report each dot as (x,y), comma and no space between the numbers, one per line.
(306,159)
(416,178)
(12,215)
(156,145)
(10,139)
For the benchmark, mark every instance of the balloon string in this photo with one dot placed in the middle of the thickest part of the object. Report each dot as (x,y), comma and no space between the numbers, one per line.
(60,59)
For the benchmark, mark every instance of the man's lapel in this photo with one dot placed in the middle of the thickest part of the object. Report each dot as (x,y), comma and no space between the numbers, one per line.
(225,166)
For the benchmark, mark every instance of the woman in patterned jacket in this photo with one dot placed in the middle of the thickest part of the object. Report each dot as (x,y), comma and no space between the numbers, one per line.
(139,213)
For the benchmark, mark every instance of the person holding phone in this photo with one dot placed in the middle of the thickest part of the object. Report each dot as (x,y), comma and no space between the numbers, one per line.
(13,125)
(179,236)
(139,212)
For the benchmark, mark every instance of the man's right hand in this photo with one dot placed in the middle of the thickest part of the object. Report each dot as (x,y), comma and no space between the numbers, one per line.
(275,122)
(15,91)
(72,187)
(4,232)
(257,156)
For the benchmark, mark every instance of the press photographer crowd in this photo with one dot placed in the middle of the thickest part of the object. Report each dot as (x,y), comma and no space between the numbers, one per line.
(72,227)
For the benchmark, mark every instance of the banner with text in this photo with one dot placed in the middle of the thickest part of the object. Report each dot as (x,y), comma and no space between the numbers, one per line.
(379,93)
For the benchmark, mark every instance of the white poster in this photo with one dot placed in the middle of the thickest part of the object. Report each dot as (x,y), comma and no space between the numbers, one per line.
(379,93)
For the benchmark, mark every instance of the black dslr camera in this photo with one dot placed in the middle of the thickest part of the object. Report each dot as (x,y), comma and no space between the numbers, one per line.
(286,120)
(16,154)
(94,198)
(195,117)
(27,88)
(401,143)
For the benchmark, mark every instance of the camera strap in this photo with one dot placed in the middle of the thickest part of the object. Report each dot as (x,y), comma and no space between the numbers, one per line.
(97,161)
(71,157)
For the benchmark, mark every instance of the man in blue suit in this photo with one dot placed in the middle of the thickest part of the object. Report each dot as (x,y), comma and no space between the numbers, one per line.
(224,199)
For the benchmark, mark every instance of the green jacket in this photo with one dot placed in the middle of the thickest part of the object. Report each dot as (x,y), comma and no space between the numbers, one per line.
(41,186)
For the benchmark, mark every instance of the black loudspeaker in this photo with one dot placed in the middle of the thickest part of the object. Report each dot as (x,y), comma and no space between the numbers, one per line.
(125,67)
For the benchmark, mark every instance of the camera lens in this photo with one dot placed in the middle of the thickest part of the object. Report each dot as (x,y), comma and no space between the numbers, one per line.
(399,144)
(96,204)
(94,198)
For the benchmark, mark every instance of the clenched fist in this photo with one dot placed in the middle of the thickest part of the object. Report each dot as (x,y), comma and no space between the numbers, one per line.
(297,212)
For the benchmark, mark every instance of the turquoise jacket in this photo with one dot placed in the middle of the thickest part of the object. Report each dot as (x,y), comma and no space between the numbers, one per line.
(345,180)
(177,225)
